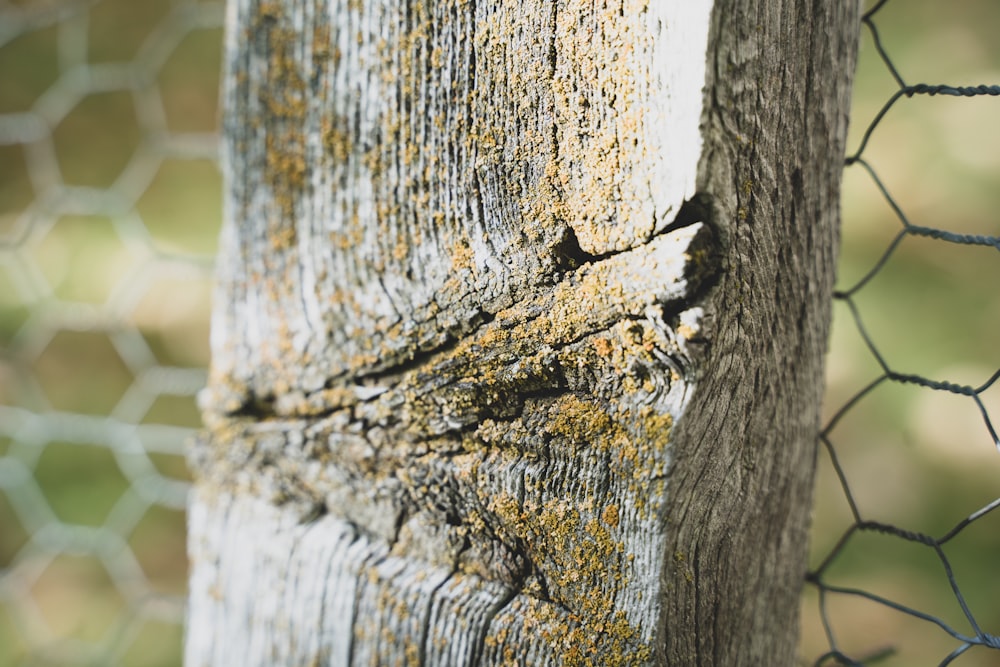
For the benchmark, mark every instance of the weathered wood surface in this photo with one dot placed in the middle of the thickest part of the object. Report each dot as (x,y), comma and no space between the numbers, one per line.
(518,342)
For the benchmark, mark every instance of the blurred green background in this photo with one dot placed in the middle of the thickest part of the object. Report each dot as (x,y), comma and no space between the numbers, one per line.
(110,205)
(916,458)
(109,213)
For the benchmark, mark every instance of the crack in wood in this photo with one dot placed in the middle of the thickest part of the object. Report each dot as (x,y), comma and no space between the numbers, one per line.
(441,457)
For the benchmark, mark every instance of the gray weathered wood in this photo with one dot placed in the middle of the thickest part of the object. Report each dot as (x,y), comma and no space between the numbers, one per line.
(519,333)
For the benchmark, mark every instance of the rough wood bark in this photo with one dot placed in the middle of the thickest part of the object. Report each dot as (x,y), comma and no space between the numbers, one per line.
(519,336)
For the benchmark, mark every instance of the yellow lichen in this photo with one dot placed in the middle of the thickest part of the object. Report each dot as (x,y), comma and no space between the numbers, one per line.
(461,256)
(581,422)
(603,346)
(610,515)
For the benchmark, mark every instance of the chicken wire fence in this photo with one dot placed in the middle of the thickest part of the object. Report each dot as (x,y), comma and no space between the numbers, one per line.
(109,209)
(907,526)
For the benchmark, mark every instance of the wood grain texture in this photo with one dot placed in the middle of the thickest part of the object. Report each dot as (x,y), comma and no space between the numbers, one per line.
(402,169)
(519,331)
(740,492)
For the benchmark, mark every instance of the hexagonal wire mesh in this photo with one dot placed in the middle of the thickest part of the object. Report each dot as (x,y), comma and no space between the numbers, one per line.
(905,542)
(109,212)
(108,217)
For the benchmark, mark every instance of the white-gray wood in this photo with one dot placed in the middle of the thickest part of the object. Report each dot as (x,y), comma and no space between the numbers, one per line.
(517,349)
